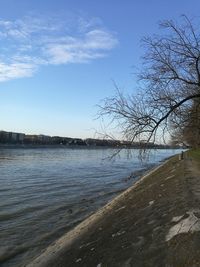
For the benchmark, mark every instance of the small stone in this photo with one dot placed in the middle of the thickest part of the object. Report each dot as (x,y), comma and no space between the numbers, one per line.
(151,202)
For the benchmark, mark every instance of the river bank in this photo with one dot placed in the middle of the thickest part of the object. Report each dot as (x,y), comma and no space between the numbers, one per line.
(153,223)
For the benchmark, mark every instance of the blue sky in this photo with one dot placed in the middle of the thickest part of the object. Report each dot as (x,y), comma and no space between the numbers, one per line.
(58,58)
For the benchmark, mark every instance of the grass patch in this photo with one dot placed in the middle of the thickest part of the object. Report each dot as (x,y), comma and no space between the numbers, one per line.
(194,153)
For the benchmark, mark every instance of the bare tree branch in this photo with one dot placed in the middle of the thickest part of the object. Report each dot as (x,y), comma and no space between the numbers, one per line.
(171,86)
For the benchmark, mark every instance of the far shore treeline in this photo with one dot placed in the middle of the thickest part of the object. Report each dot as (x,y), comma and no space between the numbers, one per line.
(13,138)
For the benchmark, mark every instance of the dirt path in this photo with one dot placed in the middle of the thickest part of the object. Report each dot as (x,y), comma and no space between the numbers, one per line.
(154,223)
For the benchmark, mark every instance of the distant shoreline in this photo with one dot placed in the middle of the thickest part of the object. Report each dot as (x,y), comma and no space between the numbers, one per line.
(30,146)
(35,146)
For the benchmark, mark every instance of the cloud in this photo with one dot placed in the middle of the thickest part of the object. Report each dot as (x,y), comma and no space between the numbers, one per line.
(32,42)
(92,45)
(15,70)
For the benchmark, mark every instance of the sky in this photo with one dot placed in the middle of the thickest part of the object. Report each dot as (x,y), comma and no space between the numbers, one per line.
(59,58)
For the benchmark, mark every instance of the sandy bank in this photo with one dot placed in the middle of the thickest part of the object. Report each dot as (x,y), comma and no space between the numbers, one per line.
(153,223)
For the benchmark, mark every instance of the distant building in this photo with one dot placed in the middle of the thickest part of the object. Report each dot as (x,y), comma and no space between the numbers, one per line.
(102,142)
(21,137)
(4,137)
(31,139)
(11,137)
(57,140)
(44,139)
(78,141)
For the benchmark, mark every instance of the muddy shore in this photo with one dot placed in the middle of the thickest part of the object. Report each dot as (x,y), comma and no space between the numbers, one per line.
(156,222)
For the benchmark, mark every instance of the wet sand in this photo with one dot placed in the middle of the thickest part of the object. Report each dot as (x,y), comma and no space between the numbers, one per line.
(156,222)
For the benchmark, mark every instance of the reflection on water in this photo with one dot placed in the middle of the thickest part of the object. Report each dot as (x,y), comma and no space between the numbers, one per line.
(45,192)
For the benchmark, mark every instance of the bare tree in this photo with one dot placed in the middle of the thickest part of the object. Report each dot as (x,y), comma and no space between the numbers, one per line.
(170,83)
(186,126)
(190,131)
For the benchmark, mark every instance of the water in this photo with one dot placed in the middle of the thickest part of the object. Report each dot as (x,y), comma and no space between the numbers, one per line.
(46,192)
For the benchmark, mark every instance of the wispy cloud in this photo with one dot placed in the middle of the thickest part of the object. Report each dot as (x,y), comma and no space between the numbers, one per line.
(91,45)
(15,70)
(31,42)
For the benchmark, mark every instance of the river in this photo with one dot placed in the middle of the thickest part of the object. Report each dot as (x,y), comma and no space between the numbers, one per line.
(46,192)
